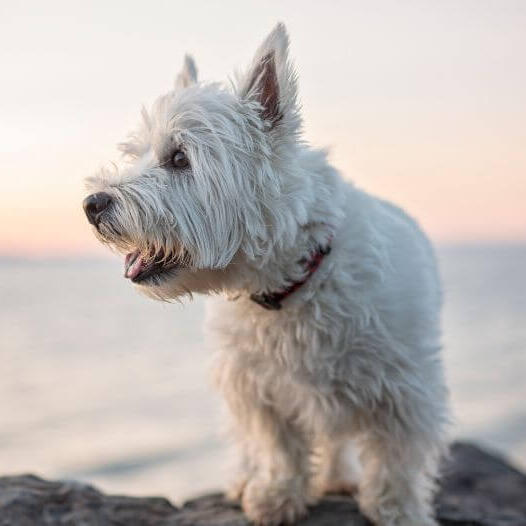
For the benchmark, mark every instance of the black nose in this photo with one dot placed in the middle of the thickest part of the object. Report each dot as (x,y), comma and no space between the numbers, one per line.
(94,205)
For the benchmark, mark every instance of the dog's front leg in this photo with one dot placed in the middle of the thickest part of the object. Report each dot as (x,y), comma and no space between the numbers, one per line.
(274,484)
(398,478)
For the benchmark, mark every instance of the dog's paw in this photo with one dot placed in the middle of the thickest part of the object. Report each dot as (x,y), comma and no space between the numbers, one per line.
(274,503)
(394,516)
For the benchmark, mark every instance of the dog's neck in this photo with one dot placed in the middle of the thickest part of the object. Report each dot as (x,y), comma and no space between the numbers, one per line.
(287,270)
(292,237)
(273,300)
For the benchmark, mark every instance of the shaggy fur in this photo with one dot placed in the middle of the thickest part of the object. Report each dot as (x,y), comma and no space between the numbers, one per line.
(352,358)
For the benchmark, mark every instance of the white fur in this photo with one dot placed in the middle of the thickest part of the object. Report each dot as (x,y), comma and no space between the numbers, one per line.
(353,356)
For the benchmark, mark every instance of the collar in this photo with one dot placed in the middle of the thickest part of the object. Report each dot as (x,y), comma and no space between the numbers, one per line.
(272,300)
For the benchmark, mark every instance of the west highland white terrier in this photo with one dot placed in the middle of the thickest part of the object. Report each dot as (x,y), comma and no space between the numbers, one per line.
(327,300)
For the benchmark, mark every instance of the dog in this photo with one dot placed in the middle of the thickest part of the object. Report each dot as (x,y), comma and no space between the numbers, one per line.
(325,300)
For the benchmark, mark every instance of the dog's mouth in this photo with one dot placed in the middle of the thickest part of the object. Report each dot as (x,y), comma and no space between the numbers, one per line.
(141,270)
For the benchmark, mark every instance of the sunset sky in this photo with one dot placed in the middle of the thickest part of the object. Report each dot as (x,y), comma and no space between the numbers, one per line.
(422,102)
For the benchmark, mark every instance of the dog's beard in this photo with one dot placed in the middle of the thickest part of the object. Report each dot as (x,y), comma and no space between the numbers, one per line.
(148,262)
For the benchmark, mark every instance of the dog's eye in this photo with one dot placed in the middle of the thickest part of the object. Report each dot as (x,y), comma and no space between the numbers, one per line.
(180,160)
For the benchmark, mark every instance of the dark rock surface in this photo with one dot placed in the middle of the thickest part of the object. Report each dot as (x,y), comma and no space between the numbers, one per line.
(478,489)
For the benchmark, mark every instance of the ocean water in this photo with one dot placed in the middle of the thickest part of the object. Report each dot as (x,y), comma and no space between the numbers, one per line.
(106,386)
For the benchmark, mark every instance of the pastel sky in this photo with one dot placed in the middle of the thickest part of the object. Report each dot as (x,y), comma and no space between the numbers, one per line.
(421,102)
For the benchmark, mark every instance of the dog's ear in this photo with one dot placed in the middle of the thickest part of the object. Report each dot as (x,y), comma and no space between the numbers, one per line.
(188,74)
(271,80)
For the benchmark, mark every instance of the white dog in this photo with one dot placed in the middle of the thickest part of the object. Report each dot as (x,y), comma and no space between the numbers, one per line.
(328,316)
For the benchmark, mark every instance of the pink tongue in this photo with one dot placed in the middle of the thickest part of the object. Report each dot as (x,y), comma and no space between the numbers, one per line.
(135,268)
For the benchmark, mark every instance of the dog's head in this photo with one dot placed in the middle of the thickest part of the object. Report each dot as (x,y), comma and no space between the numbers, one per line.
(204,181)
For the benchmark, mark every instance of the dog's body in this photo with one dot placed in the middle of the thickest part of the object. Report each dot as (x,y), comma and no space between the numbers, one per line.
(222,196)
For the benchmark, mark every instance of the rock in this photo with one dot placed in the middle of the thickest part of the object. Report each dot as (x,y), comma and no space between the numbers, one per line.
(477,489)
(481,489)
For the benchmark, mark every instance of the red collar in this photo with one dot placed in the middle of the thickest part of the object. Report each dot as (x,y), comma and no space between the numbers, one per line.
(272,300)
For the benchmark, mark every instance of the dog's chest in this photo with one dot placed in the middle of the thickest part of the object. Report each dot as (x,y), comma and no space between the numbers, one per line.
(279,346)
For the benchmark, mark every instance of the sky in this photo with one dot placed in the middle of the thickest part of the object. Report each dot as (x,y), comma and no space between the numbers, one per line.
(422,103)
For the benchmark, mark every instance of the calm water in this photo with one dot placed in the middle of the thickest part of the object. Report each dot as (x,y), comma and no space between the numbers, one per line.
(101,384)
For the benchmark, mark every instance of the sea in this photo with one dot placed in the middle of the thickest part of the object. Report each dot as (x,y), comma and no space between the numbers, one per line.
(100,384)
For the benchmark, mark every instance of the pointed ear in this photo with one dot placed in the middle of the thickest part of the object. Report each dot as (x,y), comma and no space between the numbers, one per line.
(271,80)
(188,74)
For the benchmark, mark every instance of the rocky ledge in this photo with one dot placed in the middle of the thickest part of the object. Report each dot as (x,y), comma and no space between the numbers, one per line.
(478,489)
